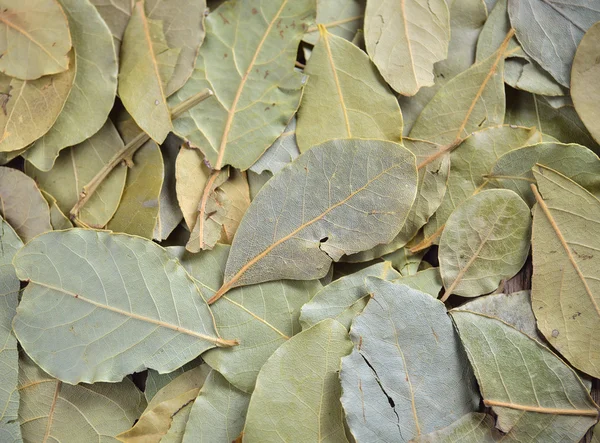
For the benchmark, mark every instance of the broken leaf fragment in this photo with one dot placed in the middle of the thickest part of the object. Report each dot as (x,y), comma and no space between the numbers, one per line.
(333,215)
(407,374)
(35,39)
(81,320)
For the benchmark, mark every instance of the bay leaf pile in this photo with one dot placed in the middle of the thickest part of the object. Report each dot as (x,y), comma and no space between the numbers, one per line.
(299,221)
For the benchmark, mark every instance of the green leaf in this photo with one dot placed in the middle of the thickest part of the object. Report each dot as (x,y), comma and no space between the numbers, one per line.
(565,287)
(404,39)
(470,428)
(486,239)
(407,374)
(345,97)
(10,243)
(51,410)
(470,164)
(76,166)
(343,18)
(520,71)
(584,86)
(94,86)
(256,90)
(137,213)
(283,151)
(147,64)
(263,316)
(297,392)
(428,281)
(36,39)
(467,17)
(513,170)
(116,14)
(471,101)
(165,405)
(563,123)
(156,381)
(218,413)
(535,395)
(30,107)
(549,31)
(22,204)
(332,211)
(344,298)
(100,306)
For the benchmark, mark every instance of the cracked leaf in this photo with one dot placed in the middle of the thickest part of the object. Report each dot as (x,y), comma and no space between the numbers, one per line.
(343,18)
(284,151)
(395,386)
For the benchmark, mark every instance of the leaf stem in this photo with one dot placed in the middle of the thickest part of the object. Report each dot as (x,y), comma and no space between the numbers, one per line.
(126,153)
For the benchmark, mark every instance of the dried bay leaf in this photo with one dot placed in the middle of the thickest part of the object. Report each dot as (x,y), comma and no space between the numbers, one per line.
(51,410)
(536,396)
(486,239)
(470,163)
(345,97)
(405,39)
(82,320)
(10,243)
(156,419)
(513,170)
(256,90)
(58,219)
(156,381)
(343,18)
(331,213)
(396,387)
(147,64)
(30,107)
(563,123)
(169,215)
(283,151)
(22,204)
(467,18)
(564,283)
(218,413)
(471,101)
(94,85)
(183,25)
(116,14)
(298,389)
(35,39)
(137,213)
(470,428)
(520,71)
(584,80)
(191,175)
(76,166)
(263,316)
(344,298)
(549,31)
